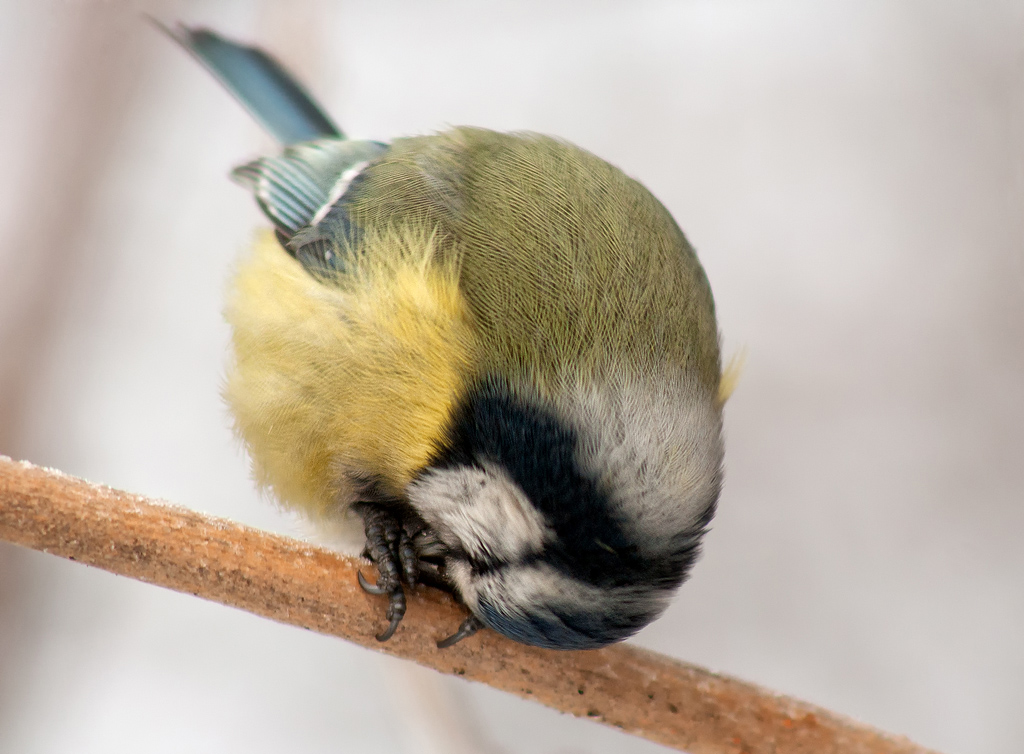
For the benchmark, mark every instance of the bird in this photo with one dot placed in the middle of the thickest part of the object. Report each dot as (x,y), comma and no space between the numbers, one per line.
(494,356)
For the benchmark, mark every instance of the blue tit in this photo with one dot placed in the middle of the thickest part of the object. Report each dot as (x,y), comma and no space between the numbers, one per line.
(496,354)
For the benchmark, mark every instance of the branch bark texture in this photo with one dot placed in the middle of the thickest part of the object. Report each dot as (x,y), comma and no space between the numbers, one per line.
(640,692)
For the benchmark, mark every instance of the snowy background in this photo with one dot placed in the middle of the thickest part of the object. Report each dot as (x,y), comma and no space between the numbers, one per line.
(852,175)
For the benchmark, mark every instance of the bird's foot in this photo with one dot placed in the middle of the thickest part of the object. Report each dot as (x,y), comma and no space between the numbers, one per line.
(406,553)
(390,545)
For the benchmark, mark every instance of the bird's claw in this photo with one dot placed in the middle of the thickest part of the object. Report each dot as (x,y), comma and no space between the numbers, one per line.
(406,552)
(469,627)
(367,586)
(390,546)
(395,613)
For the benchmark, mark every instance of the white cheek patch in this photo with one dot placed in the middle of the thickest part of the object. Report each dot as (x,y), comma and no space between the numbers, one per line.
(540,590)
(655,446)
(481,511)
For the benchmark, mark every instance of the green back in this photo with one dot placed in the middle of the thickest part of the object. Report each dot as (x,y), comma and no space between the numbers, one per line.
(566,259)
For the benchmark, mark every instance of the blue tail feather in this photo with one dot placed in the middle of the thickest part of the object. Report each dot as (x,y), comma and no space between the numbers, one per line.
(278,102)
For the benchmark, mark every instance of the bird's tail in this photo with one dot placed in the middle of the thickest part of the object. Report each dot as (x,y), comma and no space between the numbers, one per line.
(278,102)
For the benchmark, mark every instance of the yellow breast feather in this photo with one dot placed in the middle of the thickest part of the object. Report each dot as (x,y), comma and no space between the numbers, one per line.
(358,389)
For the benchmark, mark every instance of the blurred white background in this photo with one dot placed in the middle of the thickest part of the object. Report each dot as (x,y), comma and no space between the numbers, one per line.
(851,175)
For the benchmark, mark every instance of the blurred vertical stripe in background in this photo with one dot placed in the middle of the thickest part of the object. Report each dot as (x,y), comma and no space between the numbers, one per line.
(851,175)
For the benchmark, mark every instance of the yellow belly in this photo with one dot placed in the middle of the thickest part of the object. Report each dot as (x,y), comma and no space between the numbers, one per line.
(350,379)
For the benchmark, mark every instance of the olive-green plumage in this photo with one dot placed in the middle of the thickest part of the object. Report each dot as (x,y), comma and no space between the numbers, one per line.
(466,255)
(566,263)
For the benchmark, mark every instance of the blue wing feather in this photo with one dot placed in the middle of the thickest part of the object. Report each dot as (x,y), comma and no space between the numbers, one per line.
(310,179)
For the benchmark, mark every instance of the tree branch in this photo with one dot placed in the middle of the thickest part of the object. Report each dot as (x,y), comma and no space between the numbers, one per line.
(640,692)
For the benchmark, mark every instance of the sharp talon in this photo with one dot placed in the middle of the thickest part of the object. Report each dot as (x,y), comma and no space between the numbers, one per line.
(392,627)
(395,613)
(367,586)
(469,627)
